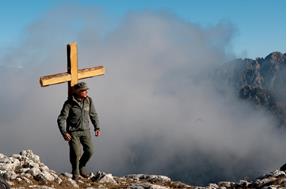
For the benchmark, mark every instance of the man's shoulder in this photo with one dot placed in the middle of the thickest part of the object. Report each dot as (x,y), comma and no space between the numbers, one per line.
(69,101)
(89,98)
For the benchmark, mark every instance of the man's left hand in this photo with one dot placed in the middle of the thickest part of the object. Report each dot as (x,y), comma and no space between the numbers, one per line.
(97,133)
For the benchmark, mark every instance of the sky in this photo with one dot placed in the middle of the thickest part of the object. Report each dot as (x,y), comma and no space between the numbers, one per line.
(160,109)
(260,24)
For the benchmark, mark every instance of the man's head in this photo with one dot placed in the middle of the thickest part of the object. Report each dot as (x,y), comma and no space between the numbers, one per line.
(81,90)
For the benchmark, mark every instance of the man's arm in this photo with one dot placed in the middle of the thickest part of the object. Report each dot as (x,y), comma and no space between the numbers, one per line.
(62,118)
(94,116)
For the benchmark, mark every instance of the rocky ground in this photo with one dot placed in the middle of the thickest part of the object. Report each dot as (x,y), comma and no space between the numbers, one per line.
(25,170)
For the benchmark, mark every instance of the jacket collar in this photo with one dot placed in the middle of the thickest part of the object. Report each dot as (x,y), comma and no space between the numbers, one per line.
(77,100)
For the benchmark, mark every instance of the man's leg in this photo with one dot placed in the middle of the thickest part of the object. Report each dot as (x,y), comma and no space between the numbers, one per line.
(86,141)
(75,153)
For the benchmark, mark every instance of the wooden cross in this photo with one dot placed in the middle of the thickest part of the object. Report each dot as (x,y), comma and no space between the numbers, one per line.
(73,74)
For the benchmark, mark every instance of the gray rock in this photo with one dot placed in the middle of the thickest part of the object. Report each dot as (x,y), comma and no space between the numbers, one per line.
(17,156)
(212,186)
(154,186)
(28,181)
(97,176)
(10,175)
(9,164)
(40,187)
(44,168)
(74,183)
(225,184)
(34,171)
(244,183)
(136,186)
(23,170)
(178,184)
(103,177)
(69,175)
(41,179)
(271,187)
(30,155)
(57,179)
(277,173)
(28,175)
(47,176)
(265,181)
(147,186)
(155,178)
(2,156)
(91,175)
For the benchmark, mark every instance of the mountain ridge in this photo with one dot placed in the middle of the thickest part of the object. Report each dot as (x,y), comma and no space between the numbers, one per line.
(261,81)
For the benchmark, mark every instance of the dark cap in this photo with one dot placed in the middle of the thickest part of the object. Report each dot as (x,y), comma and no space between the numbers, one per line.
(82,86)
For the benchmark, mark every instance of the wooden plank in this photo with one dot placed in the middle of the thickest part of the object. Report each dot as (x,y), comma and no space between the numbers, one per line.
(73,63)
(72,66)
(91,72)
(64,77)
(54,79)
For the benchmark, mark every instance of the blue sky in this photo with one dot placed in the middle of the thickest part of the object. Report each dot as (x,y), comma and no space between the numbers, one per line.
(260,24)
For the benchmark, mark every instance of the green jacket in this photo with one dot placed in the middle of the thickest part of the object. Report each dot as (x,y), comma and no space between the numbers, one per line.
(75,115)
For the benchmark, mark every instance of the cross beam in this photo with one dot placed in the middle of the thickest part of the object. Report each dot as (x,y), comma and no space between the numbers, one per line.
(73,74)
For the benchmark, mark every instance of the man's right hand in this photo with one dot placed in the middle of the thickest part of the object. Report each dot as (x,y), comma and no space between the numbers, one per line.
(67,137)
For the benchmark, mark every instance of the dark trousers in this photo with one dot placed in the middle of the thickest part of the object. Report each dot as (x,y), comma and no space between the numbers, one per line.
(81,141)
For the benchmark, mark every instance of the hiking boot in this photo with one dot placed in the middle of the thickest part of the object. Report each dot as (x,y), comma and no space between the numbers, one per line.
(76,177)
(84,173)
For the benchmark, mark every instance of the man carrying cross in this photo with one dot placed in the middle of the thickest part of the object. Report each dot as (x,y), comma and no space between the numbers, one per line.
(73,123)
(73,120)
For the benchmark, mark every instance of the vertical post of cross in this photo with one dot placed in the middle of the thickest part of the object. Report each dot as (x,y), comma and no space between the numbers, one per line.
(72,65)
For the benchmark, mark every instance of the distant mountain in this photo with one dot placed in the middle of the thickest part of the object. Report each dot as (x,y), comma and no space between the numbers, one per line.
(261,81)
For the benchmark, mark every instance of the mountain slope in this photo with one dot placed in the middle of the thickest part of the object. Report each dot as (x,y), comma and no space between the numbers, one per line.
(260,81)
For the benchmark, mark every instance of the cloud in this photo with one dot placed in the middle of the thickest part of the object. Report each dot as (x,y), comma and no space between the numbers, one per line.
(160,110)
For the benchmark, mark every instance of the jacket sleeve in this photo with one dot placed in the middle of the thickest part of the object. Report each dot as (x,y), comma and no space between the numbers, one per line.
(94,116)
(62,118)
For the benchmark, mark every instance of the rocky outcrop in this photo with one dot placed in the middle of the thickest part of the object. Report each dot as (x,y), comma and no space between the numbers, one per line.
(261,81)
(266,73)
(25,170)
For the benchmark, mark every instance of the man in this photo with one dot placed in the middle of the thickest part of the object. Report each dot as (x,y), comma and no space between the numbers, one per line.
(73,123)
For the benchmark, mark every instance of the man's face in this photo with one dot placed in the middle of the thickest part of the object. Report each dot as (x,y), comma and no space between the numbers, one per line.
(83,94)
